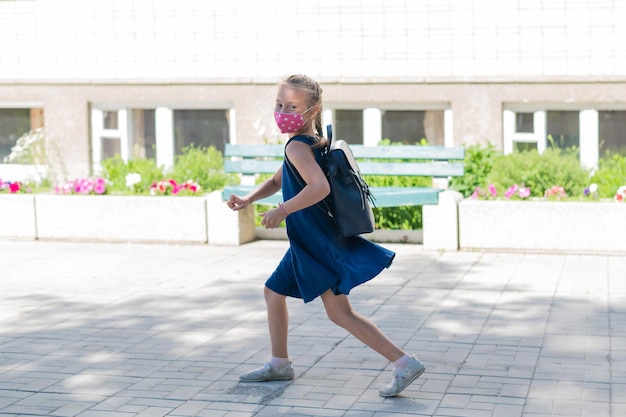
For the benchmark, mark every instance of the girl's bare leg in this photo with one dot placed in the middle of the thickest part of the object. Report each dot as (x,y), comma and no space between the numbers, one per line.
(279,367)
(278,322)
(341,313)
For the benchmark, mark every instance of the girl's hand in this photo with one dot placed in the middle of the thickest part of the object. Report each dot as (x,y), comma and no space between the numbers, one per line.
(272,219)
(237,203)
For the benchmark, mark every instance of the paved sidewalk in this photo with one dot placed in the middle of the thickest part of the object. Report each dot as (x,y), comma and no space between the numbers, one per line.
(99,330)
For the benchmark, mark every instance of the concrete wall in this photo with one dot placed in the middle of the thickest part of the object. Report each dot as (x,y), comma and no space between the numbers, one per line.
(477,108)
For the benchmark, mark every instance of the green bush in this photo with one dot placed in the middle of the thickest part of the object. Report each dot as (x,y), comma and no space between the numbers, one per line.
(610,175)
(115,170)
(479,160)
(202,165)
(540,172)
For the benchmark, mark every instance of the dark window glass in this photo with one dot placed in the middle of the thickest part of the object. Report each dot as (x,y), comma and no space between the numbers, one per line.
(111,147)
(524,122)
(348,126)
(200,128)
(564,128)
(410,127)
(110,119)
(524,146)
(13,124)
(612,125)
(143,134)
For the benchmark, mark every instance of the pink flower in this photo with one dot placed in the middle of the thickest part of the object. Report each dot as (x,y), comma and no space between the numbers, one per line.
(492,190)
(192,186)
(99,186)
(160,187)
(556,191)
(82,186)
(524,192)
(14,187)
(511,191)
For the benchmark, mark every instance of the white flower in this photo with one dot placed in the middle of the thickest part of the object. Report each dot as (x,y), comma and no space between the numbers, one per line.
(132,179)
(593,188)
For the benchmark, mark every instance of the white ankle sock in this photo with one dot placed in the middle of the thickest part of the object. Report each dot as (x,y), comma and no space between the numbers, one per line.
(278,362)
(402,363)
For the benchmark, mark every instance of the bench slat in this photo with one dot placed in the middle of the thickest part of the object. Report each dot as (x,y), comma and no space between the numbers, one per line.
(439,153)
(384,196)
(424,169)
(404,196)
(252,166)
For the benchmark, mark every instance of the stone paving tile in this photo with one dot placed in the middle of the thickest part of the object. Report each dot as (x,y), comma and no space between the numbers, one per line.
(164,330)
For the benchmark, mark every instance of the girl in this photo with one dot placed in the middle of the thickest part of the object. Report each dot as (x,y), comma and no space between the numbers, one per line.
(319,261)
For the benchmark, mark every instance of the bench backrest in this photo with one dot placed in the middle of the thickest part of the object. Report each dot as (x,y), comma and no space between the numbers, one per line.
(405,160)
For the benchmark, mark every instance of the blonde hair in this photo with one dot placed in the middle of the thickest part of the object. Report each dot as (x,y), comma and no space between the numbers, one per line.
(313,91)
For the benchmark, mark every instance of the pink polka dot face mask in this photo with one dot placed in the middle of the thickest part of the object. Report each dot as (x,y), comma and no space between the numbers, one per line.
(290,122)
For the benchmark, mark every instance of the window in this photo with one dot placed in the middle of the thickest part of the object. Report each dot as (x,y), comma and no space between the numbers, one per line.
(611,127)
(156,133)
(15,122)
(369,126)
(410,127)
(564,128)
(348,126)
(110,119)
(592,132)
(143,133)
(524,122)
(403,126)
(201,128)
(523,131)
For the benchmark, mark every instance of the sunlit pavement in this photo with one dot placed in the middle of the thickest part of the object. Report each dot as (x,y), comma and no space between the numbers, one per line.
(98,330)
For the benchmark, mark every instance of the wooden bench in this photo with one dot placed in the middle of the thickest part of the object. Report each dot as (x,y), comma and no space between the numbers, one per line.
(424,161)
(440,206)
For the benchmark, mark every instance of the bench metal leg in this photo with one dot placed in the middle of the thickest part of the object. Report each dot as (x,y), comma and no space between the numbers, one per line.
(441,222)
(227,227)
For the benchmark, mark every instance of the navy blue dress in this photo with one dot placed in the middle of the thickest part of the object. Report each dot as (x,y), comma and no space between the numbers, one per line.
(319,258)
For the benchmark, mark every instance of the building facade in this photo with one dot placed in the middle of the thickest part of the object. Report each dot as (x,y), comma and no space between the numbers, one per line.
(145,78)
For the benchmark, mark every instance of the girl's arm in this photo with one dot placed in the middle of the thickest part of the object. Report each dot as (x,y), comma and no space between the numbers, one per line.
(265,189)
(317,188)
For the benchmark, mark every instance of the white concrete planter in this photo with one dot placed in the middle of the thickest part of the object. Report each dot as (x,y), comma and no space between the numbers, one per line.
(17,216)
(543,225)
(122,218)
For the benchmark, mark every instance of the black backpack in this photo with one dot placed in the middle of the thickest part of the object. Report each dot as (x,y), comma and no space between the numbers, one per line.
(350,197)
(348,203)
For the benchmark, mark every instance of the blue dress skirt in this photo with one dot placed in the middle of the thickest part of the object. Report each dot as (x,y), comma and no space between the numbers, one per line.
(319,258)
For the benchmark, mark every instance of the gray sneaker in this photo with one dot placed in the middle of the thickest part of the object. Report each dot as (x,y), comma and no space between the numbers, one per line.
(401,380)
(267,373)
